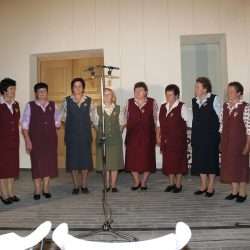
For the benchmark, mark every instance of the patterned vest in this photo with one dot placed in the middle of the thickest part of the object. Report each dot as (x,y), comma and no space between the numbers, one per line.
(173,129)
(42,129)
(233,137)
(9,126)
(205,126)
(140,124)
(112,127)
(78,123)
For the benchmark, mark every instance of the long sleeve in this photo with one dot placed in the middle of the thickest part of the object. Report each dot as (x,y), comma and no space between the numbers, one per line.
(26,117)
(64,111)
(57,117)
(187,115)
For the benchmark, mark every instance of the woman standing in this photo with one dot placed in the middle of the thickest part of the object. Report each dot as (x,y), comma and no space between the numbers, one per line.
(174,119)
(235,142)
(40,120)
(114,121)
(9,140)
(205,135)
(141,116)
(77,113)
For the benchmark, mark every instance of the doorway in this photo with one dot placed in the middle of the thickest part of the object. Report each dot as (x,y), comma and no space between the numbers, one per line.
(203,55)
(57,70)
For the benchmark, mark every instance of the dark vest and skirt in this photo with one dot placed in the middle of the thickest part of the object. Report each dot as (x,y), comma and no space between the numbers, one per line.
(114,150)
(78,136)
(140,138)
(43,136)
(234,165)
(9,141)
(205,138)
(173,140)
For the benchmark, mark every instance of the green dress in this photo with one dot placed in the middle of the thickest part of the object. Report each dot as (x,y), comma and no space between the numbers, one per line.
(114,151)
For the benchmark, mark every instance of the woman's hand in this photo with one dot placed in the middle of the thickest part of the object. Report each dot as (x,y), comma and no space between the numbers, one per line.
(28,145)
(246,149)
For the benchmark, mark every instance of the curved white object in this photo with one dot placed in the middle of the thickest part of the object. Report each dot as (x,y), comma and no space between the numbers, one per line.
(12,241)
(171,241)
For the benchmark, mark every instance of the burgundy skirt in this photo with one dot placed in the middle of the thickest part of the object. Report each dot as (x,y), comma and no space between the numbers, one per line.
(234,167)
(9,163)
(44,162)
(140,159)
(174,162)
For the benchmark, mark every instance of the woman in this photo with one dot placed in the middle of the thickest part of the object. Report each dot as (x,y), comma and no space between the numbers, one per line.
(114,121)
(9,140)
(141,118)
(205,136)
(77,113)
(235,142)
(40,120)
(174,119)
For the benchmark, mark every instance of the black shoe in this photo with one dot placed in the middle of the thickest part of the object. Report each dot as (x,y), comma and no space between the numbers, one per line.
(14,198)
(37,196)
(135,188)
(169,188)
(144,188)
(7,201)
(107,190)
(177,190)
(75,191)
(231,196)
(85,190)
(114,190)
(208,194)
(47,195)
(199,192)
(241,199)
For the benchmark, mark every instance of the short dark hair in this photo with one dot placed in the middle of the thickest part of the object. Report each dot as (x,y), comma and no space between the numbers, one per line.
(205,82)
(141,85)
(238,87)
(77,79)
(40,85)
(5,83)
(174,88)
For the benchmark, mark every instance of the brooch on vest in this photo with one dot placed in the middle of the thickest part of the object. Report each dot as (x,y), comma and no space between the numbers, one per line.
(142,110)
(204,104)
(50,108)
(172,114)
(235,114)
(17,110)
(85,104)
(114,113)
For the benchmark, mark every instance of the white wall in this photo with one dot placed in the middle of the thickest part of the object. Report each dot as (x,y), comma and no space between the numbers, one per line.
(142,37)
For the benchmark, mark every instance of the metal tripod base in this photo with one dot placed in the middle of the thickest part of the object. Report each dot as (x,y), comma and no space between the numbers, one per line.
(106,227)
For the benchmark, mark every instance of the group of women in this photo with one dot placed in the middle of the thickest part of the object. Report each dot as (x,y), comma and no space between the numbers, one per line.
(214,129)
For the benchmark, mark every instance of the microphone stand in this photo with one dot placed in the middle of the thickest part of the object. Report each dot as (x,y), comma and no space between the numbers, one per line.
(106,227)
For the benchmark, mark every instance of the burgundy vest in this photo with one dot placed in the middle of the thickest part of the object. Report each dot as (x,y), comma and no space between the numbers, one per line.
(42,129)
(9,126)
(173,129)
(140,124)
(233,137)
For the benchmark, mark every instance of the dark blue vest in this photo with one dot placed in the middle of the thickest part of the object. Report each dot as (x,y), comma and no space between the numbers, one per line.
(205,126)
(78,124)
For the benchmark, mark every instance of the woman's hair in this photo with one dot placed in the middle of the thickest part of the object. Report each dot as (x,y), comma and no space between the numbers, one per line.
(78,79)
(40,85)
(174,88)
(238,87)
(206,83)
(113,94)
(141,85)
(5,84)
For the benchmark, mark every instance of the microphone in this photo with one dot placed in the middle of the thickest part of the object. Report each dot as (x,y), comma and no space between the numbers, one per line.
(112,67)
(89,69)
